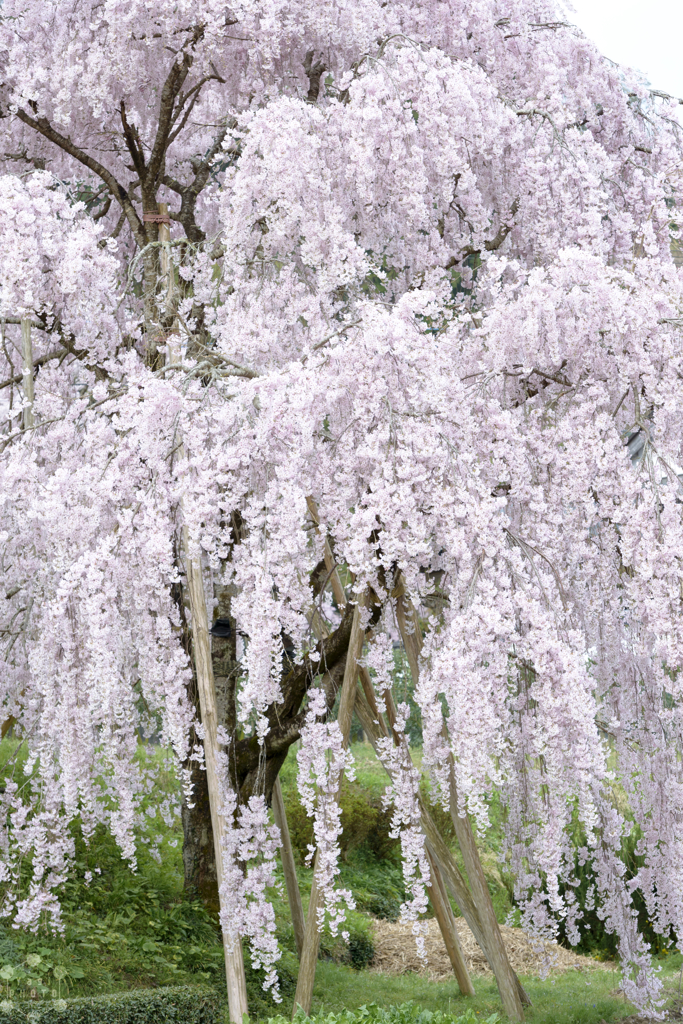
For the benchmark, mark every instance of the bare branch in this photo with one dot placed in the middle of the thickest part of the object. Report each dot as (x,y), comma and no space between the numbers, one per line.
(132,138)
(43,126)
(490,246)
(172,86)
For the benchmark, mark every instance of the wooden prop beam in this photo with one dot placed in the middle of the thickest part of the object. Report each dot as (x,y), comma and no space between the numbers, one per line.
(411,635)
(289,867)
(444,916)
(375,728)
(201,646)
(201,643)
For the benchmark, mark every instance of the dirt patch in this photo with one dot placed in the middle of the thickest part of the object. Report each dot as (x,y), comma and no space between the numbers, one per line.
(396,953)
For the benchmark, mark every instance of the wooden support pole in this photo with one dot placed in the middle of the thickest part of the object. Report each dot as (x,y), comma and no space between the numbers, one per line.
(28,419)
(374,727)
(449,933)
(495,948)
(289,867)
(201,646)
(234,964)
(309,955)
(484,928)
(330,564)
(373,723)
(500,964)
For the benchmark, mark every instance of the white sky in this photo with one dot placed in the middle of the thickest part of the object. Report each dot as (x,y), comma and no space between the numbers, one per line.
(643,34)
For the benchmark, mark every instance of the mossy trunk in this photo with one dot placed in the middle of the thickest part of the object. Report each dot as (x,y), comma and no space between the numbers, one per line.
(199,861)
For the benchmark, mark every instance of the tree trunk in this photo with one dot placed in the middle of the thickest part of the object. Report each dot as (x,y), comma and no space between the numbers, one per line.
(199,859)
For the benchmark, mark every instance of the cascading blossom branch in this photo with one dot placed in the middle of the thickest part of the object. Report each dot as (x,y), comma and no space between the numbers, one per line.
(403,792)
(323,760)
(250,847)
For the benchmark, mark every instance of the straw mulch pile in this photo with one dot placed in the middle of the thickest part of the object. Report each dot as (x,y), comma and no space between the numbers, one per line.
(396,952)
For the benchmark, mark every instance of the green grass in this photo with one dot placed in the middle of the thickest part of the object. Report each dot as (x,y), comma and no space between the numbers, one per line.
(565,999)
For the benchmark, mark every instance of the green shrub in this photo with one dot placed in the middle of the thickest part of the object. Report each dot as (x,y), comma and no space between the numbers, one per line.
(377,886)
(365,822)
(406,1013)
(361,950)
(261,1004)
(380,843)
(358,951)
(595,938)
(182,1005)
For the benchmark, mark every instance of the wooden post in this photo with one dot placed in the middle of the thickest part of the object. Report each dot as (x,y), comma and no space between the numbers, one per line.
(374,728)
(444,916)
(28,419)
(201,645)
(335,582)
(288,866)
(309,954)
(373,723)
(234,964)
(505,977)
(482,897)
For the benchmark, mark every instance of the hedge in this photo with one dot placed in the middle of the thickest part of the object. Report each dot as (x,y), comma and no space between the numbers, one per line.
(186,1004)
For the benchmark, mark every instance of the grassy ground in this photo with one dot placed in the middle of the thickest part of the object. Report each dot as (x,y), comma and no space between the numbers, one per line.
(126,930)
(568,999)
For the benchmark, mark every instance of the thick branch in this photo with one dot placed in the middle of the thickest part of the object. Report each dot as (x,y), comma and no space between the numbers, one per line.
(172,86)
(313,73)
(189,193)
(18,377)
(44,128)
(130,134)
(490,246)
(192,95)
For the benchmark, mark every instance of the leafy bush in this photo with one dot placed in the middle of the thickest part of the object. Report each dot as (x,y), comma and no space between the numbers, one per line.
(595,938)
(364,821)
(361,949)
(261,1003)
(380,843)
(377,885)
(181,1005)
(37,977)
(406,1013)
(123,929)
